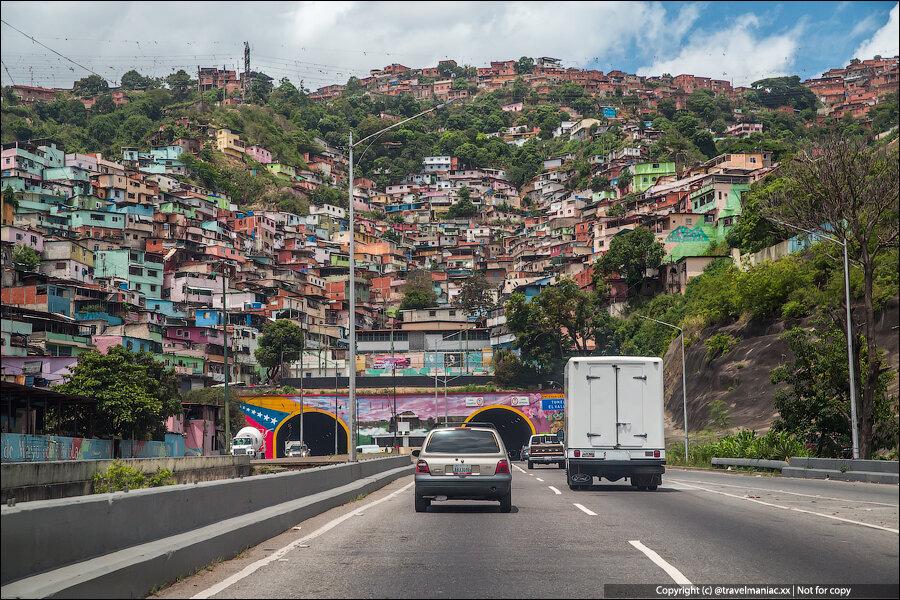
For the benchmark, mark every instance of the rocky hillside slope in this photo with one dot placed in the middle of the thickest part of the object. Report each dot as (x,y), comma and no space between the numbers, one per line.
(740,377)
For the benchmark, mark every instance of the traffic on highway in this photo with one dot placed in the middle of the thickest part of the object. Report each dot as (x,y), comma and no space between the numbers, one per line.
(607,539)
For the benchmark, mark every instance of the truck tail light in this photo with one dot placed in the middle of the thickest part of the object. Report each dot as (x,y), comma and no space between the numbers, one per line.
(577,453)
(656,454)
(502,467)
(422,467)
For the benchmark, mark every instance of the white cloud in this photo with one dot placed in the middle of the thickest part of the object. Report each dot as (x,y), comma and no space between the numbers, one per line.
(736,54)
(886,40)
(326,42)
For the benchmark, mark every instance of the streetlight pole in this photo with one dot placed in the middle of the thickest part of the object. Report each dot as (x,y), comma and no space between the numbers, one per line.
(225,346)
(351,391)
(853,420)
(683,381)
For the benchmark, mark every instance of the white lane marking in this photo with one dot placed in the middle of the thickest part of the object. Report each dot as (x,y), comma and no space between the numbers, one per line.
(800,510)
(278,554)
(519,468)
(816,496)
(555,491)
(539,479)
(585,510)
(674,573)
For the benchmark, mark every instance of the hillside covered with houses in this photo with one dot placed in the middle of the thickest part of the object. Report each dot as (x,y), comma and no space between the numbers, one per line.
(166,214)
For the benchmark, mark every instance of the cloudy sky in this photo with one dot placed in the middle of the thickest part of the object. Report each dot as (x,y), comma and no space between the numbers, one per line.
(322,43)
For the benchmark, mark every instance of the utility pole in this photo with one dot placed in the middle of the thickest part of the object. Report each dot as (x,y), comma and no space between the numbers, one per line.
(246,83)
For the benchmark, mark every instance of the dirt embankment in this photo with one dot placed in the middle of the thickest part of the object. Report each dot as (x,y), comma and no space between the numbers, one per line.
(741,376)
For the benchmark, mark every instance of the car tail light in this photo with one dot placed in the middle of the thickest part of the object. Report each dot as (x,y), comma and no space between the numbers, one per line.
(422,467)
(577,453)
(502,467)
(656,454)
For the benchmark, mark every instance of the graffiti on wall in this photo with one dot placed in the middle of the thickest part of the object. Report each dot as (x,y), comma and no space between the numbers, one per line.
(38,448)
(544,411)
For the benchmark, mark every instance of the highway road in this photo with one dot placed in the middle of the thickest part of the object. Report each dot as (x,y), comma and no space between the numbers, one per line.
(698,528)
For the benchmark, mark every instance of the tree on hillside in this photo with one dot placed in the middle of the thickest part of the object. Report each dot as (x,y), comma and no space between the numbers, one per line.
(462,209)
(849,191)
(135,393)
(816,406)
(26,258)
(91,86)
(474,297)
(562,321)
(132,80)
(630,255)
(418,291)
(782,91)
(524,65)
(278,339)
(180,83)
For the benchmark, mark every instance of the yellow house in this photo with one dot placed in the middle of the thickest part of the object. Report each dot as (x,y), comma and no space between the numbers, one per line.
(229,143)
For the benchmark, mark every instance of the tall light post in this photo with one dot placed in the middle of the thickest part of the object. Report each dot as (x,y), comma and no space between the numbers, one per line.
(351,395)
(853,422)
(683,380)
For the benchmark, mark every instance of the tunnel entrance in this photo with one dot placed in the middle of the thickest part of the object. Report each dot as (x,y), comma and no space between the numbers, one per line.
(318,433)
(515,430)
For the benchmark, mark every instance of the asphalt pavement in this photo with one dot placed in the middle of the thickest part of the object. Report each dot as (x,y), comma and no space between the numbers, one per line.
(697,529)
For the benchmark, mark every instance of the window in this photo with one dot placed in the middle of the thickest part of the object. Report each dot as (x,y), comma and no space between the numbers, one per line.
(60,265)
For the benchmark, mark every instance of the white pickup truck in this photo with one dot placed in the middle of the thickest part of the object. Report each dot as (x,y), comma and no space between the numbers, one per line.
(614,420)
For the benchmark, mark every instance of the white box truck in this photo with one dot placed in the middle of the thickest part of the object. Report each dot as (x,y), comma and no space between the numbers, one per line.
(614,420)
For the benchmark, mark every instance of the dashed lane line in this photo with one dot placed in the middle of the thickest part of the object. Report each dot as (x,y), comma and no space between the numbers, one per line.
(674,573)
(555,491)
(585,510)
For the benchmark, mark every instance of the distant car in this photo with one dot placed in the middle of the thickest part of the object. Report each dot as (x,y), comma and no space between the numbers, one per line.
(369,449)
(295,449)
(523,453)
(463,463)
(546,449)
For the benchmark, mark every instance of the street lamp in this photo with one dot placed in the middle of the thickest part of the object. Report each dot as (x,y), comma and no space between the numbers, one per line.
(683,380)
(853,425)
(351,396)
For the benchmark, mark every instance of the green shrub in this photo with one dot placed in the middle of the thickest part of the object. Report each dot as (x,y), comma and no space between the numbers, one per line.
(117,477)
(775,445)
(795,309)
(161,477)
(718,345)
(718,414)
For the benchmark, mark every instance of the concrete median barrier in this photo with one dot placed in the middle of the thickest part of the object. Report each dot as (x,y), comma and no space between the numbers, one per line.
(126,543)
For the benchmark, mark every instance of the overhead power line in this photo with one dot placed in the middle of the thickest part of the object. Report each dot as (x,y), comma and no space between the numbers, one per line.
(52,50)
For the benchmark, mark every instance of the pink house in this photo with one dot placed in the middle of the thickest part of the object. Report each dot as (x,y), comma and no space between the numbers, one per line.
(260,154)
(26,237)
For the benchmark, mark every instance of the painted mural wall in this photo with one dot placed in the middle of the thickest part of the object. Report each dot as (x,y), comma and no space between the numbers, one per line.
(543,410)
(37,448)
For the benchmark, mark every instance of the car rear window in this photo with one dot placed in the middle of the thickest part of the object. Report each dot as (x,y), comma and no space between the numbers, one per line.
(463,441)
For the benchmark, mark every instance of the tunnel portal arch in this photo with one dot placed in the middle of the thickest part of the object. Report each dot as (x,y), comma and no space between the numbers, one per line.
(514,427)
(318,433)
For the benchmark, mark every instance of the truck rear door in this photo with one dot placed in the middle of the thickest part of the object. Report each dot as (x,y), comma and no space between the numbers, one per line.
(632,386)
(601,380)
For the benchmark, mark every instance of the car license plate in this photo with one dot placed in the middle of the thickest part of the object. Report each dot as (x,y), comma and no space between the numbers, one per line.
(462,469)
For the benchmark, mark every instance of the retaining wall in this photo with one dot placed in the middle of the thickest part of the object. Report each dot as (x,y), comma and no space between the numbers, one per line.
(64,479)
